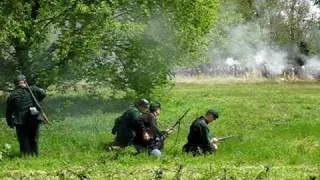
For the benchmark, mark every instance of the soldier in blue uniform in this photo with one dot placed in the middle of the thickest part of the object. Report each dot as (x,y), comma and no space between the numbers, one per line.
(199,140)
(23,114)
(125,126)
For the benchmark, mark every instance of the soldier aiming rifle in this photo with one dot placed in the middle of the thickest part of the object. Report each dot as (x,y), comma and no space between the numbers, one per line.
(149,137)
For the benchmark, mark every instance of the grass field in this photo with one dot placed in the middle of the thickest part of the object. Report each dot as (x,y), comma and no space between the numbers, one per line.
(277,125)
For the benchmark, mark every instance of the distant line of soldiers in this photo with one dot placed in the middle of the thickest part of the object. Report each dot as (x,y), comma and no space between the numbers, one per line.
(137,126)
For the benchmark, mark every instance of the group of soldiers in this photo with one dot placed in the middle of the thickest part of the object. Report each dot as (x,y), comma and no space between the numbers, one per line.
(137,126)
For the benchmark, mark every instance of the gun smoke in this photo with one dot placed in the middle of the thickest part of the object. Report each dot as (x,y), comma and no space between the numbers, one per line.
(240,48)
(250,51)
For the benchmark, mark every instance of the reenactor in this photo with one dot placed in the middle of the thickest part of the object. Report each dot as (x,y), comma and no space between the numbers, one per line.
(149,137)
(125,126)
(199,140)
(23,114)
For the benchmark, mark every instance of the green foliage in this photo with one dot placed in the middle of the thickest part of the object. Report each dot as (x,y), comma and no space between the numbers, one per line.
(101,42)
(5,151)
(195,23)
(228,16)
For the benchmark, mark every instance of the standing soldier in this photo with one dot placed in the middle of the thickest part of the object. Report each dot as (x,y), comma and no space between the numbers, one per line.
(149,137)
(125,126)
(23,114)
(199,140)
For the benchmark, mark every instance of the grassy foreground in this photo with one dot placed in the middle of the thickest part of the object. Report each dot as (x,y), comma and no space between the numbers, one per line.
(277,127)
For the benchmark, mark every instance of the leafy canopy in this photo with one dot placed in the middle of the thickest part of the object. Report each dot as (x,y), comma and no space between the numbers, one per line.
(127,45)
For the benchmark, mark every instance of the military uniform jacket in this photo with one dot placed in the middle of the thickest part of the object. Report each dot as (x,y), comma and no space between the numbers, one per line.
(19,102)
(199,135)
(147,124)
(125,127)
(128,120)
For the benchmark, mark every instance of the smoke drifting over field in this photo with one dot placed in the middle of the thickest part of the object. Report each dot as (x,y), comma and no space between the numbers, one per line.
(249,48)
(312,66)
(261,45)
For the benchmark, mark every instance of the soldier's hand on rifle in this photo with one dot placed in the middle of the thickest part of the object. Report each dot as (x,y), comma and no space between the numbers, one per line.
(146,136)
(215,146)
(214,140)
(169,130)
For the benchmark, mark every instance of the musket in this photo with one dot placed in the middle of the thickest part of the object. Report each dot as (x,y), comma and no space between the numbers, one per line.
(158,140)
(179,120)
(178,124)
(43,114)
(224,138)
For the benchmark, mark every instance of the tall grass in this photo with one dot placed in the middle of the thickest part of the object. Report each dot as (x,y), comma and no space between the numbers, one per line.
(277,128)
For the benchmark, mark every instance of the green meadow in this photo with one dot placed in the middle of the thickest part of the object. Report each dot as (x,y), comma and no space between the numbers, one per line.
(276,127)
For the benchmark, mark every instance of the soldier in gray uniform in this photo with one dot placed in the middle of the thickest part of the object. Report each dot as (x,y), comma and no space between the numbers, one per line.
(23,114)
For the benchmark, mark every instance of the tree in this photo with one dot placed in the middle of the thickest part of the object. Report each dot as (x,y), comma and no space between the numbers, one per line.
(102,42)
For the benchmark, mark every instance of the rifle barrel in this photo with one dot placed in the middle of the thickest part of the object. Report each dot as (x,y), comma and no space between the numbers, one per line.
(179,120)
(38,104)
(224,138)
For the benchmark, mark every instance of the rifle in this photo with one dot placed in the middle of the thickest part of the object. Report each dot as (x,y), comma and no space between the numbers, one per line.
(223,138)
(158,141)
(45,118)
(179,120)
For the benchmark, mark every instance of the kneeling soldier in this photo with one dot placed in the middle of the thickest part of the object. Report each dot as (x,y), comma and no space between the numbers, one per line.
(149,137)
(125,126)
(199,140)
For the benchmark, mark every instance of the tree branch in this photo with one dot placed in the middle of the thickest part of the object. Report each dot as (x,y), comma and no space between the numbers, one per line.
(55,17)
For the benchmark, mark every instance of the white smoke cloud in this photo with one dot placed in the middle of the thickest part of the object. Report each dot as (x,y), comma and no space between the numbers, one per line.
(231,62)
(312,66)
(274,60)
(248,46)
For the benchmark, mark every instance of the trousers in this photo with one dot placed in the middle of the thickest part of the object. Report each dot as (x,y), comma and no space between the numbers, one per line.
(28,138)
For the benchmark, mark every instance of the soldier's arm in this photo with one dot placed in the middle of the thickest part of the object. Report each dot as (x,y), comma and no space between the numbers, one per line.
(154,125)
(39,93)
(140,123)
(205,136)
(9,111)
(116,125)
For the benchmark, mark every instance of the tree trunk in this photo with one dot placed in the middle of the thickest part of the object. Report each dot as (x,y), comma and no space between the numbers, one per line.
(22,49)
(291,20)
